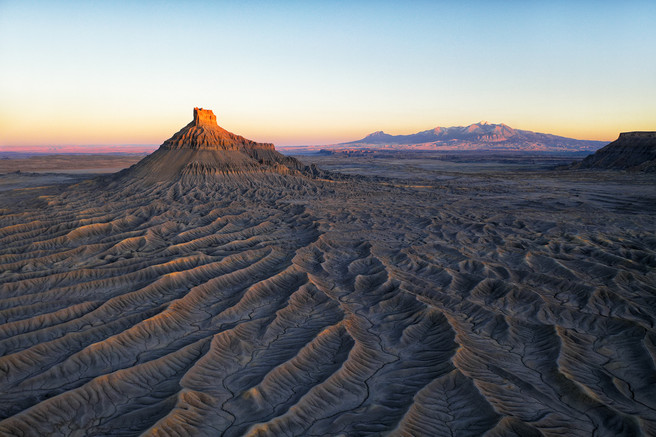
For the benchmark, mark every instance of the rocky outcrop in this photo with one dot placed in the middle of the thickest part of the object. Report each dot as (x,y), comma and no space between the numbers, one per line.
(634,151)
(205,134)
(203,148)
(204,117)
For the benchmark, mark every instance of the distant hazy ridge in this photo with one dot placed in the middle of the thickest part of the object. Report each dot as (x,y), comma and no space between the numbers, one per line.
(478,136)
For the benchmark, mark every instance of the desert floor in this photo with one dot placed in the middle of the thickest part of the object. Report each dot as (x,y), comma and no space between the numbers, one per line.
(416,297)
(66,163)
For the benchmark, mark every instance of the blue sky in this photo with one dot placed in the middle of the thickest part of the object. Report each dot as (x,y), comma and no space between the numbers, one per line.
(308,72)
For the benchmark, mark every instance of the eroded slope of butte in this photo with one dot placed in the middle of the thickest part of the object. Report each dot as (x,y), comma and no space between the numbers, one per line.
(204,148)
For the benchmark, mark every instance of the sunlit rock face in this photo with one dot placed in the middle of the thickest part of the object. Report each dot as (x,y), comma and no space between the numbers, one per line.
(203,148)
(165,302)
(204,117)
(204,133)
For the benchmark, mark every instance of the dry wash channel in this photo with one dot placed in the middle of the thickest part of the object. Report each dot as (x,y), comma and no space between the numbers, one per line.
(220,288)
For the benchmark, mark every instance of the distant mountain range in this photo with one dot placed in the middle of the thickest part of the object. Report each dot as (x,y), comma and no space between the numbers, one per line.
(478,136)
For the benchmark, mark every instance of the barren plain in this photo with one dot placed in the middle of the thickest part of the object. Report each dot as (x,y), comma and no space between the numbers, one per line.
(462,301)
(67,163)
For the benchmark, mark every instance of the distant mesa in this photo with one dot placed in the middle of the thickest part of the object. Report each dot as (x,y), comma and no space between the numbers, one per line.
(633,151)
(477,136)
(203,148)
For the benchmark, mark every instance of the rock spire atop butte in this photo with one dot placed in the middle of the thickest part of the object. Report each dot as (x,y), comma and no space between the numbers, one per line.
(204,149)
(204,117)
(204,133)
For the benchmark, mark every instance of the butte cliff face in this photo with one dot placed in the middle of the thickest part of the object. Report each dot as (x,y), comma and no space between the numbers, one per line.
(634,151)
(203,148)
(203,133)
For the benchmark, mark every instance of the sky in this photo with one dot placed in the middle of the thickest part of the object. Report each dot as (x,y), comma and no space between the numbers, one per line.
(322,72)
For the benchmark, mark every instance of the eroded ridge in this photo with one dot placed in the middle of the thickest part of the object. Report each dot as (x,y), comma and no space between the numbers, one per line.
(280,305)
(203,148)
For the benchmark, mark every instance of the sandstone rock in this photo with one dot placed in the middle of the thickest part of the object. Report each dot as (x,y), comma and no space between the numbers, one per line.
(203,148)
(204,116)
(204,133)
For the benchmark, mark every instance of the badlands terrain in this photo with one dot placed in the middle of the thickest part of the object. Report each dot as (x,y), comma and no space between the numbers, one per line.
(220,288)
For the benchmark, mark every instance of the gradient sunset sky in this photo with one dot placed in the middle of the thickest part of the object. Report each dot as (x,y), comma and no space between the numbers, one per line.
(319,72)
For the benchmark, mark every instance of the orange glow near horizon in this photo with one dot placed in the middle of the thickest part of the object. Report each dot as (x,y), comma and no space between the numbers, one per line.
(79,128)
(63,131)
(313,73)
